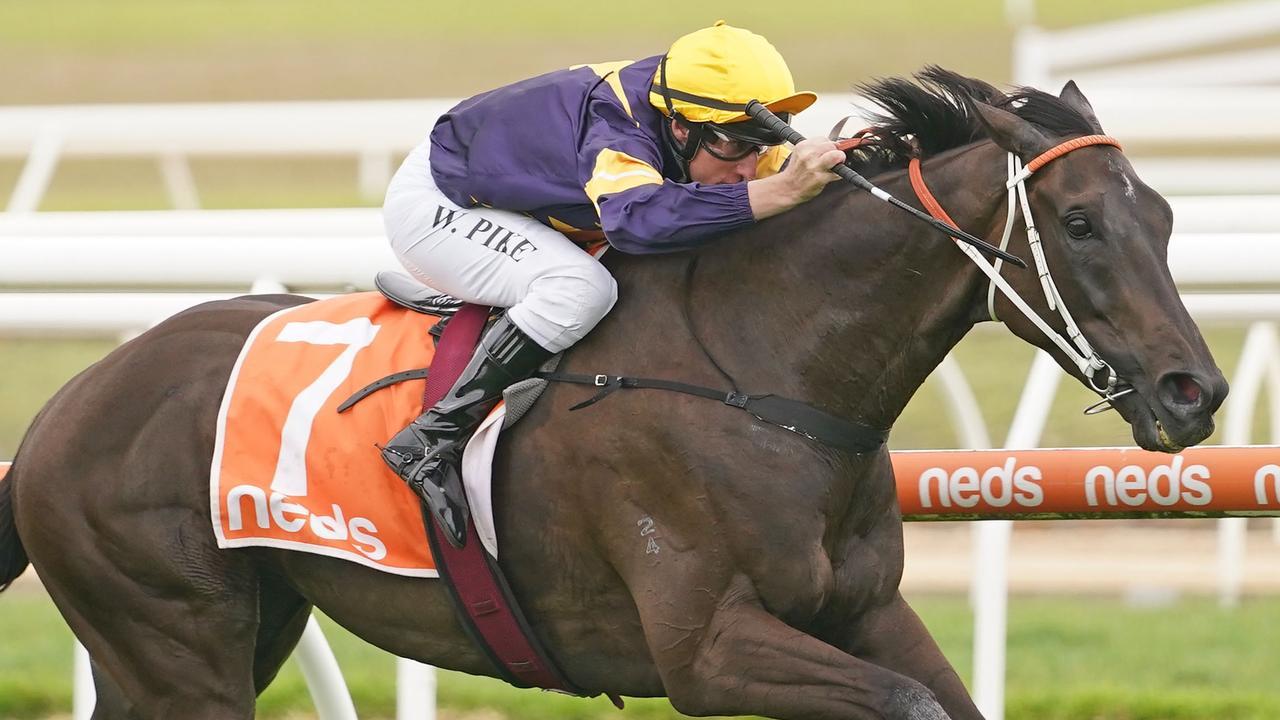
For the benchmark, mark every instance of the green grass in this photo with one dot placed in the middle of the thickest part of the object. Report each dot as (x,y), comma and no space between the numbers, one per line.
(1069,659)
(164,50)
(130,24)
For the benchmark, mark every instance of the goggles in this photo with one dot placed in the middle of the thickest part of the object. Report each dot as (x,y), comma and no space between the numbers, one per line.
(736,144)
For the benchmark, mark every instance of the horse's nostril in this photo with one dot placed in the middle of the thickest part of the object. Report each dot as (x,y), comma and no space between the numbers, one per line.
(1182,389)
(1188,388)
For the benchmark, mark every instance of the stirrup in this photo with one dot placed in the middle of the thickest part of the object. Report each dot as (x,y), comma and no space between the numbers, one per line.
(446,499)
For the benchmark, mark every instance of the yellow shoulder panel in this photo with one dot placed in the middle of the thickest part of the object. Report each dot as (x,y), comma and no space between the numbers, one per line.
(617,171)
(609,71)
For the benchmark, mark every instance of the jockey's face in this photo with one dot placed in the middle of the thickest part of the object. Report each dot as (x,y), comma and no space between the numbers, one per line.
(710,170)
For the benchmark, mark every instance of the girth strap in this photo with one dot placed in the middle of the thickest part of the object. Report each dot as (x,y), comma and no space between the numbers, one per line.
(788,414)
(486,606)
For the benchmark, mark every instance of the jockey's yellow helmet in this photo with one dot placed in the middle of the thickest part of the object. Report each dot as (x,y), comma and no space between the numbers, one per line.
(709,76)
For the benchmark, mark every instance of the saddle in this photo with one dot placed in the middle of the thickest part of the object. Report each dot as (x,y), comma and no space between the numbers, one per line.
(409,293)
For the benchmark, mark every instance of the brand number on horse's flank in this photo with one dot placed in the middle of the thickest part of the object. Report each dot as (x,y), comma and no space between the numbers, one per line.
(647,529)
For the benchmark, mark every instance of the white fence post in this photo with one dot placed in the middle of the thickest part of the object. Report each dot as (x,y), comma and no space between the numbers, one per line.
(83,695)
(37,173)
(374,174)
(415,690)
(1256,360)
(324,677)
(179,183)
(991,548)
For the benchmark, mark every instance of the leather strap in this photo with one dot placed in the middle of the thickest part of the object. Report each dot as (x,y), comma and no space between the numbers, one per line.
(788,414)
(488,609)
(1067,146)
(377,385)
(922,192)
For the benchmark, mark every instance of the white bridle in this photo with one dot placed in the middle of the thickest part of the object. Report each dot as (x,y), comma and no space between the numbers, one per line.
(1075,346)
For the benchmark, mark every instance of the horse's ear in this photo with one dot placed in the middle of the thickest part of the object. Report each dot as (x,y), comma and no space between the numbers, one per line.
(1012,132)
(1076,100)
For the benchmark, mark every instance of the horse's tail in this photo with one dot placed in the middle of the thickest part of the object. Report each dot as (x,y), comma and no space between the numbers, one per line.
(13,557)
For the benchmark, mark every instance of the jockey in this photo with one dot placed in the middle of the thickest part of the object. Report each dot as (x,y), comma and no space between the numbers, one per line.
(651,156)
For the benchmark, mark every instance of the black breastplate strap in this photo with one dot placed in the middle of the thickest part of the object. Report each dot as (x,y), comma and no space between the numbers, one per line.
(788,414)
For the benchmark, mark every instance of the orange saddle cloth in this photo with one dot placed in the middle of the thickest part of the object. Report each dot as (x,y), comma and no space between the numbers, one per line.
(291,472)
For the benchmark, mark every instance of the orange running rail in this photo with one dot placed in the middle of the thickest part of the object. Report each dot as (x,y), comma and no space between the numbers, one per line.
(1079,483)
(1088,483)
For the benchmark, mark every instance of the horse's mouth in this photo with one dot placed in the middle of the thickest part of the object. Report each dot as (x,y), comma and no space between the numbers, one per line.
(1166,443)
(1158,429)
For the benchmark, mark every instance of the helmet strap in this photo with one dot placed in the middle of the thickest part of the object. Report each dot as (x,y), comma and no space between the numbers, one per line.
(685,151)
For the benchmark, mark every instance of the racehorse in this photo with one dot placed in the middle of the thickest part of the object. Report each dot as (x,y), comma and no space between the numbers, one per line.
(774,590)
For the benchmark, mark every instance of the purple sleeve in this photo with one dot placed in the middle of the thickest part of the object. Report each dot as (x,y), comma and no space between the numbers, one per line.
(672,216)
(651,214)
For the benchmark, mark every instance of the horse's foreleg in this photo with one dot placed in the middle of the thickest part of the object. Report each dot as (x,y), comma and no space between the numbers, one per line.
(892,636)
(745,661)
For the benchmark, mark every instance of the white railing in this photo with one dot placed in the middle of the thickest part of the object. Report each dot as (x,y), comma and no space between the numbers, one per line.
(1047,59)
(1191,213)
(373,130)
(377,132)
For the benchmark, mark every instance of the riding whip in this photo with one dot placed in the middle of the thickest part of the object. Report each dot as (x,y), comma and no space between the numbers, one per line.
(764,116)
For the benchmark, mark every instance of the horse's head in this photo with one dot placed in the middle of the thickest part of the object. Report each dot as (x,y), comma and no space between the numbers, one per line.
(1105,236)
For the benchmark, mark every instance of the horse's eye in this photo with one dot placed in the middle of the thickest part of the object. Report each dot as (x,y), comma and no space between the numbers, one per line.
(1079,227)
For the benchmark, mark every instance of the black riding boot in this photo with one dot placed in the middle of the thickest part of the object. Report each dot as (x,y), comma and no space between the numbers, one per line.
(428,454)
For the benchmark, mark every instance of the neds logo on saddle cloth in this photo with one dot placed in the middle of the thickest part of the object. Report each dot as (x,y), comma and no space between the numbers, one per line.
(288,470)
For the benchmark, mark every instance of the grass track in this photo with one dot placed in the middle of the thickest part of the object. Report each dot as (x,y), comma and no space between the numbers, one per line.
(1069,658)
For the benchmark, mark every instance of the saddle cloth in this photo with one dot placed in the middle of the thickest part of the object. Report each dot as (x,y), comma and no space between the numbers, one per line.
(291,472)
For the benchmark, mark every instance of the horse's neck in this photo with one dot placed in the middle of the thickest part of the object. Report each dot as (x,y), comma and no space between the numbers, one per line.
(845,303)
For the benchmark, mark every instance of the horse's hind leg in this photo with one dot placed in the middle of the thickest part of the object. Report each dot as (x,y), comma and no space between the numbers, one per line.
(164,653)
(167,617)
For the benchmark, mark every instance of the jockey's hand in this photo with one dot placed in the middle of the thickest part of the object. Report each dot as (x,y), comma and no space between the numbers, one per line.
(808,170)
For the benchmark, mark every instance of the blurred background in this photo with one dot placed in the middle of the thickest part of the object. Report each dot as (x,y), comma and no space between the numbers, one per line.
(135,125)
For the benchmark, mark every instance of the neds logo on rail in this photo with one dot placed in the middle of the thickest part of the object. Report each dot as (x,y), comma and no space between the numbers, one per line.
(1000,486)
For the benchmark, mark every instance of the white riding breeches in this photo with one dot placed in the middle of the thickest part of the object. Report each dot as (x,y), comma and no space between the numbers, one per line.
(554,290)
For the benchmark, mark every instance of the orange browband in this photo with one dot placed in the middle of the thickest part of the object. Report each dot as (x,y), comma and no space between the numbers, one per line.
(935,208)
(1074,144)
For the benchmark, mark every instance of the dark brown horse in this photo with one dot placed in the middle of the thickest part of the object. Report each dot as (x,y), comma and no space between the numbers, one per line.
(775,588)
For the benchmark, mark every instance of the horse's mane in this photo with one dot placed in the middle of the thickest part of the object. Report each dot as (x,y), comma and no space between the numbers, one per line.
(935,113)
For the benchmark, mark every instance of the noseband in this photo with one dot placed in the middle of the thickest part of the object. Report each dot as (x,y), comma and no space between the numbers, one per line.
(1075,346)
